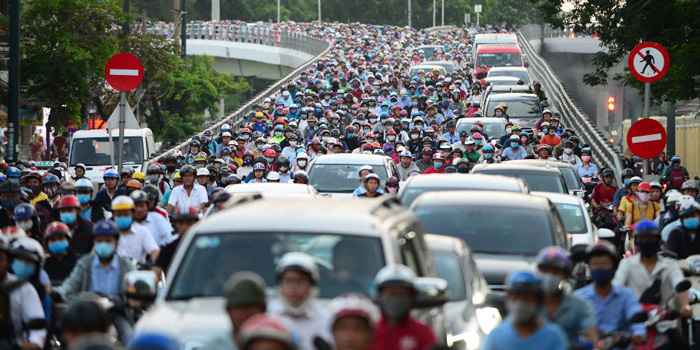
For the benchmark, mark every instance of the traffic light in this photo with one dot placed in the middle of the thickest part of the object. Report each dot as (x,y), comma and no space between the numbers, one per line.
(611,103)
(611,112)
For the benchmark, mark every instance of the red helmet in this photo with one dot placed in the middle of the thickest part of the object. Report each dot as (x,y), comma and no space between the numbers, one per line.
(270,153)
(439,156)
(69,201)
(57,228)
(186,213)
(391,132)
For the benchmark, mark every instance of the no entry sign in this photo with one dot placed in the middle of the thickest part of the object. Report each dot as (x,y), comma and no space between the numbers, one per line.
(648,62)
(124,71)
(646,138)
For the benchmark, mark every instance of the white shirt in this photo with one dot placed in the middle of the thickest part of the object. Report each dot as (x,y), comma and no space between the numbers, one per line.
(157,226)
(314,323)
(633,274)
(197,197)
(25,306)
(136,244)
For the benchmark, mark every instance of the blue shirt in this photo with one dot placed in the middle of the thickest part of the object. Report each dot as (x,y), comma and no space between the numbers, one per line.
(105,279)
(509,153)
(614,312)
(582,171)
(86,214)
(621,192)
(574,315)
(505,337)
(452,139)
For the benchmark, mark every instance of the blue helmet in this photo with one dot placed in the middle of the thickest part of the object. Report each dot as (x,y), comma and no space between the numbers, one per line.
(523,282)
(225,150)
(676,159)
(13,172)
(105,228)
(646,228)
(50,179)
(111,173)
(3,178)
(24,211)
(153,341)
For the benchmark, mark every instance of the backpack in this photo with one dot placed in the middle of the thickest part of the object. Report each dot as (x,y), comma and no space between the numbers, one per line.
(677,178)
(7,329)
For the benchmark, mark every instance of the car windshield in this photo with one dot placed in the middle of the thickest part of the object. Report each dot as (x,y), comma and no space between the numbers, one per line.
(336,257)
(522,108)
(505,234)
(570,178)
(449,267)
(340,178)
(522,75)
(95,151)
(572,216)
(501,59)
(497,128)
(537,181)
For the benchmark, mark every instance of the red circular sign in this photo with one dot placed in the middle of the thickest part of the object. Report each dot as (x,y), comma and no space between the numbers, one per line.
(648,62)
(646,138)
(124,72)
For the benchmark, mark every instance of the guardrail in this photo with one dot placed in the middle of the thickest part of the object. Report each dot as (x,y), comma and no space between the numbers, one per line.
(291,40)
(603,154)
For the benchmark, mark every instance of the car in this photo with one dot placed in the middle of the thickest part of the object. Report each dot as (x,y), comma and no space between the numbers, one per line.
(573,183)
(523,109)
(426,68)
(427,50)
(338,174)
(495,38)
(497,55)
(414,186)
(245,238)
(469,320)
(494,127)
(270,189)
(506,89)
(541,179)
(518,72)
(574,214)
(496,81)
(505,230)
(449,67)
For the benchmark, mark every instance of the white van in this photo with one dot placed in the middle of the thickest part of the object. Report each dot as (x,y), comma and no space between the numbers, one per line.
(91,147)
(494,39)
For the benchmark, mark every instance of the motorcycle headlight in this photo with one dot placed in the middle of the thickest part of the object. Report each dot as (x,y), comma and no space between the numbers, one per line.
(471,340)
(488,318)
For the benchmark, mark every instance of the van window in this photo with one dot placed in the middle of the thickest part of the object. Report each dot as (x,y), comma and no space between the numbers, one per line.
(95,151)
(503,59)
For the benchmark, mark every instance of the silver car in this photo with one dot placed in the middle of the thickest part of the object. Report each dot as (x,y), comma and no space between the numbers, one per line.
(419,184)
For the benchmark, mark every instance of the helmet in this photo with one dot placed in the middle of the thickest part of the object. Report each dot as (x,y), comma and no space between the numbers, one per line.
(301,177)
(233,179)
(438,156)
(298,261)
(392,181)
(689,185)
(627,173)
(194,143)
(152,192)
(676,159)
(13,232)
(13,172)
(134,183)
(222,196)
(689,207)
(153,341)
(68,201)
(177,176)
(270,153)
(57,228)
(186,213)
(263,326)
(636,179)
(128,171)
(682,200)
(395,275)
(282,161)
(34,175)
(28,248)
(365,167)
(601,247)
(258,166)
(50,179)
(608,171)
(187,169)
(245,288)
(644,186)
(139,196)
(111,174)
(24,211)
(554,256)
(123,203)
(202,172)
(523,282)
(273,176)
(83,184)
(646,228)
(105,227)
(200,158)
(352,304)
(671,196)
(372,176)
(153,169)
(656,184)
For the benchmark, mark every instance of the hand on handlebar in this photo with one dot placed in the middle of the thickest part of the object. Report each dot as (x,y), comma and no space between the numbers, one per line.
(638,340)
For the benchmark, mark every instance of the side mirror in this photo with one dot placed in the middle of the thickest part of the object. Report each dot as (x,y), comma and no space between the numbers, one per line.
(140,285)
(639,317)
(496,300)
(470,65)
(606,233)
(431,292)
(526,64)
(682,286)
(580,193)
(578,253)
(544,104)
(35,324)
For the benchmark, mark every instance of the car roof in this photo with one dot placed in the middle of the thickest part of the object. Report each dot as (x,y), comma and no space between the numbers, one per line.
(465,180)
(502,78)
(516,87)
(351,158)
(485,120)
(480,199)
(519,166)
(445,244)
(496,69)
(543,163)
(437,63)
(560,198)
(269,187)
(516,96)
(324,215)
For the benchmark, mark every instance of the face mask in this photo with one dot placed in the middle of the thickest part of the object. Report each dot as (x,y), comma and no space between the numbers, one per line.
(414,103)
(245,137)
(269,160)
(521,312)
(602,277)
(260,147)
(586,158)
(551,283)
(391,138)
(153,179)
(301,163)
(644,197)
(568,151)
(395,308)
(648,249)
(689,223)
(170,168)
(199,165)
(438,165)
(247,161)
(627,182)
(51,191)
(463,170)
(278,133)
(58,247)
(514,145)
(488,155)
(22,269)
(68,218)
(477,142)
(551,133)
(10,204)
(414,136)
(498,114)
(35,189)
(509,130)
(372,120)
(26,225)
(83,198)
(123,222)
(104,250)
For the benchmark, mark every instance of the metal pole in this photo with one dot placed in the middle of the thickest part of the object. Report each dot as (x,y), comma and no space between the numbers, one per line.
(215,10)
(647,99)
(671,129)
(125,8)
(122,121)
(319,11)
(176,22)
(442,21)
(183,27)
(477,19)
(13,117)
(278,11)
(433,13)
(409,14)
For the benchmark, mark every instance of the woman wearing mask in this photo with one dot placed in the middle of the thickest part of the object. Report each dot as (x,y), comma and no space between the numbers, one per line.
(302,162)
(586,168)
(392,185)
(642,209)
(247,166)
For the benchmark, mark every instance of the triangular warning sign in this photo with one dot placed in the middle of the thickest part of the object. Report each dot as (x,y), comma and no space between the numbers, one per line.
(129,118)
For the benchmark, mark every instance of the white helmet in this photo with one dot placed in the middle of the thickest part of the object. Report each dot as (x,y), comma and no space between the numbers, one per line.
(202,172)
(13,233)
(684,199)
(302,155)
(353,304)
(672,196)
(273,176)
(395,275)
(83,183)
(29,248)
(298,261)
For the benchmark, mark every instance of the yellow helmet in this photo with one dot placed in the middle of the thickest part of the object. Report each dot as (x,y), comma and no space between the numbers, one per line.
(122,203)
(139,176)
(177,176)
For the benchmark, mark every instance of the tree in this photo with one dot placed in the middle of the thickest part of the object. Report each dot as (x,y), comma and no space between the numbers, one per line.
(621,25)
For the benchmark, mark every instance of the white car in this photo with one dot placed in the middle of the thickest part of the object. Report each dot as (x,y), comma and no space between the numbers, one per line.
(572,211)
(516,72)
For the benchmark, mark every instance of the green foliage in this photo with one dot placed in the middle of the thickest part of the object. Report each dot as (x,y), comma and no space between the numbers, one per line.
(621,25)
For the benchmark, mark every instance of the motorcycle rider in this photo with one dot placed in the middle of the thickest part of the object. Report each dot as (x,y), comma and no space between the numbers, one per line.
(568,154)
(297,281)
(524,329)
(690,188)
(644,208)
(62,259)
(675,175)
(438,165)
(135,242)
(515,151)
(68,208)
(85,322)
(683,240)
(406,165)
(621,192)
(183,218)
(105,196)
(642,271)
(89,209)
(604,192)
(575,315)
(352,321)
(157,225)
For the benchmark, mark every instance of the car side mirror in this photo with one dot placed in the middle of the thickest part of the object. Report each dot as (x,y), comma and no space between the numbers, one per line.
(682,286)
(430,292)
(580,193)
(526,64)
(140,285)
(544,104)
(496,300)
(606,233)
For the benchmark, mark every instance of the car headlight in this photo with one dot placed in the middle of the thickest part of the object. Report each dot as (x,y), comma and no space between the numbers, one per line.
(488,318)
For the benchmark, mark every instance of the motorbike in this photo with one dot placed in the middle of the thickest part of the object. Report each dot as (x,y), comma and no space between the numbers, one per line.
(589,182)
(603,217)
(660,319)
(691,268)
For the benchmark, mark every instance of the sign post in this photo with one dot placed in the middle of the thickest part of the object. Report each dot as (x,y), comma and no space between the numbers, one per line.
(648,62)
(124,72)
(477,9)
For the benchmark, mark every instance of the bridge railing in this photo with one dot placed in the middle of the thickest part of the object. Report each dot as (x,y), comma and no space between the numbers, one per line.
(284,39)
(603,153)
